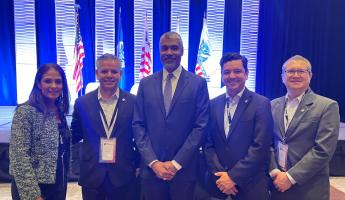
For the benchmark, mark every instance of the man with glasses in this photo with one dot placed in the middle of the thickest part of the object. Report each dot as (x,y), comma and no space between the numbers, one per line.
(239,137)
(306,128)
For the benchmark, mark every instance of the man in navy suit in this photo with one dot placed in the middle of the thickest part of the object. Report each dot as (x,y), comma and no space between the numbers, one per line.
(169,122)
(239,137)
(103,120)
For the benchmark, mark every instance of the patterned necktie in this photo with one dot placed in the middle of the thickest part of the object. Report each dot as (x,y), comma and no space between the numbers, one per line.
(168,92)
(228,108)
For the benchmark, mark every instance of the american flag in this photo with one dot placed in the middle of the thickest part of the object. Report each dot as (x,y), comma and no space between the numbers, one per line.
(78,53)
(146,62)
(204,51)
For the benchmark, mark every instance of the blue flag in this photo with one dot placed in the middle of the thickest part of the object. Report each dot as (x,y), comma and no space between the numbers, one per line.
(120,52)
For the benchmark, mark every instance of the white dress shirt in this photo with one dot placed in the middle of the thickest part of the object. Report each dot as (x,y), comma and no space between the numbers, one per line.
(174,79)
(230,108)
(290,108)
(108,107)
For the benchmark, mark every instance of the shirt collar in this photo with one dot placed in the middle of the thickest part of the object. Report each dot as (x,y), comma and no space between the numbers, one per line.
(176,72)
(112,98)
(299,98)
(236,97)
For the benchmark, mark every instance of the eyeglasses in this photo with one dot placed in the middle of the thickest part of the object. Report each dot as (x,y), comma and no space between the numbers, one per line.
(298,71)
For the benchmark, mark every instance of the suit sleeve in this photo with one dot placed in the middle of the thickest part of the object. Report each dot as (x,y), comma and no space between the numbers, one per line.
(273,162)
(76,126)
(259,150)
(20,160)
(140,131)
(212,159)
(136,151)
(194,139)
(325,143)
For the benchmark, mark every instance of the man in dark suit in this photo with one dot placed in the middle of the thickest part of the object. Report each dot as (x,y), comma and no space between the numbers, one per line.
(103,120)
(169,122)
(237,149)
(306,128)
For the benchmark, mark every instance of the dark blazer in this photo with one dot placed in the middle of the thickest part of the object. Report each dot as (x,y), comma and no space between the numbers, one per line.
(175,135)
(245,153)
(87,125)
(312,137)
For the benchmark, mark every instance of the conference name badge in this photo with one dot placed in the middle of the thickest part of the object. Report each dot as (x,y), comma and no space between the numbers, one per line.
(107,150)
(282,155)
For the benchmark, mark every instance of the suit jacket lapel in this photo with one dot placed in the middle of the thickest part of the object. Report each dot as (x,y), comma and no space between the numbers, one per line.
(280,115)
(95,112)
(121,104)
(302,109)
(181,84)
(241,107)
(158,78)
(219,109)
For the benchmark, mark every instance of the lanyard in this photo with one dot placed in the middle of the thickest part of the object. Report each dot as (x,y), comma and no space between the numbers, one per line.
(108,126)
(286,117)
(228,111)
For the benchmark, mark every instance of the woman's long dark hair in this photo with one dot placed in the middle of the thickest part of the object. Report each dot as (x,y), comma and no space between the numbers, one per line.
(36,97)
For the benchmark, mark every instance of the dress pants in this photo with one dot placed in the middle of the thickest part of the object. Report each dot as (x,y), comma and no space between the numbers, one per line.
(107,191)
(157,189)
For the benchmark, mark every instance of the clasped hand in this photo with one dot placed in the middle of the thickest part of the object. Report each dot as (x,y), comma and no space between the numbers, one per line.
(164,170)
(281,181)
(226,184)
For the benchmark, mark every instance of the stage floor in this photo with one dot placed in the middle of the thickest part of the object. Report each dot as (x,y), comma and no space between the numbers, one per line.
(74,190)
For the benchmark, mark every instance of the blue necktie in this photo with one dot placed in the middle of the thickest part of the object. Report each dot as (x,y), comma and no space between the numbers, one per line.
(168,92)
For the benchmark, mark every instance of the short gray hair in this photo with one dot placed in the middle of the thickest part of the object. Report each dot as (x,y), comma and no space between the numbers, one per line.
(171,34)
(297,58)
(107,56)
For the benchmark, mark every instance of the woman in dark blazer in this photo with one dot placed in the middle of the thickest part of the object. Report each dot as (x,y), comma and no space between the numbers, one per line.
(40,139)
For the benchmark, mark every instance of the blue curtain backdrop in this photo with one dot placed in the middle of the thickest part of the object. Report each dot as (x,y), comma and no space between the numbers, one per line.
(128,39)
(314,29)
(232,26)
(45,31)
(161,24)
(127,22)
(197,9)
(8,92)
